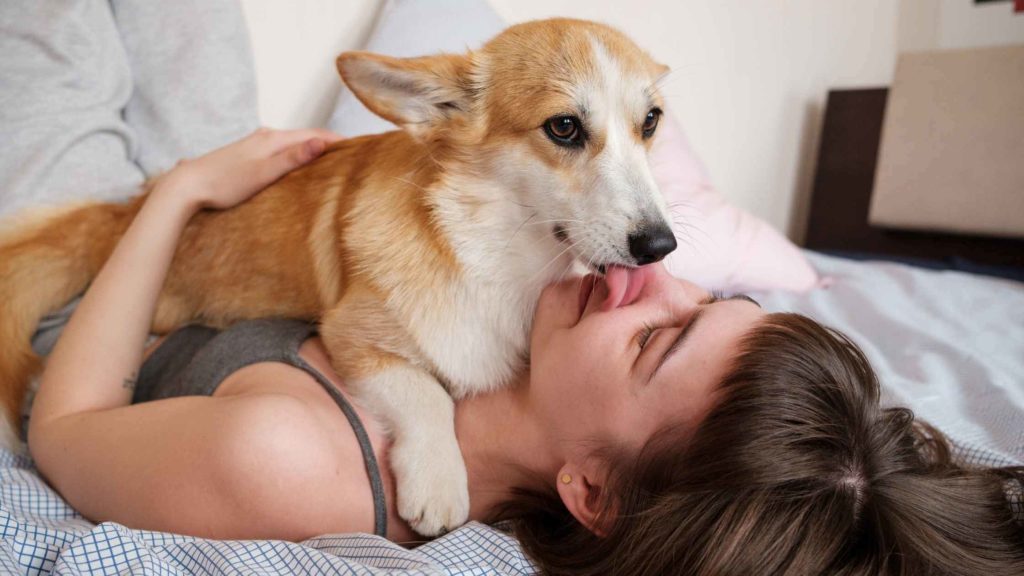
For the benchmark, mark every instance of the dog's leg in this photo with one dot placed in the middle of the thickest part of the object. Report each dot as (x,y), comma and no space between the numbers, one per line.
(430,475)
(425,458)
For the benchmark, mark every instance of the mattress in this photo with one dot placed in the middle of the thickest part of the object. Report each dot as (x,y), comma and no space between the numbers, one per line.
(949,345)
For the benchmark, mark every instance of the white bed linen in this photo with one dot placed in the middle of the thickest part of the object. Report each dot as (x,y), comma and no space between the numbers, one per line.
(947,344)
(41,534)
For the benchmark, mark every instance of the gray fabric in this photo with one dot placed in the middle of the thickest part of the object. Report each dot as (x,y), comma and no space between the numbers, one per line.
(194,360)
(948,345)
(195,85)
(50,328)
(96,96)
(64,79)
(162,375)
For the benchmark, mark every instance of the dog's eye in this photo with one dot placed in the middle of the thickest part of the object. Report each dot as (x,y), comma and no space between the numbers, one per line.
(564,130)
(651,122)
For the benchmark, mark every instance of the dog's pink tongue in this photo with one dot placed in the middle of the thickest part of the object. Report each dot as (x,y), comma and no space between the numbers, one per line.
(624,284)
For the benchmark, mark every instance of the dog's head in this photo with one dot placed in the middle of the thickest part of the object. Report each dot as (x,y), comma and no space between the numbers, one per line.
(560,112)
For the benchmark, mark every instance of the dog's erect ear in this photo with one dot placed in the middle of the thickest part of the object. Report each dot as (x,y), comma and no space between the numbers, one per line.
(415,93)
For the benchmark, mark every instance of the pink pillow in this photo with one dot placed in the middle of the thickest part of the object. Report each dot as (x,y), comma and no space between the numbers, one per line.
(721,247)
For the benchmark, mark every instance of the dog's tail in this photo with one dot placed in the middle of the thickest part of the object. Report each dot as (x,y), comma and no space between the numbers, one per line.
(45,260)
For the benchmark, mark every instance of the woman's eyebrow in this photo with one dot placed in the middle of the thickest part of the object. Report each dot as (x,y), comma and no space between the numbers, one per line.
(744,297)
(713,297)
(688,329)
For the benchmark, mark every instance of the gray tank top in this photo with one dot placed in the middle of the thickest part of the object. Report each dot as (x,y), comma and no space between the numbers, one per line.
(194,360)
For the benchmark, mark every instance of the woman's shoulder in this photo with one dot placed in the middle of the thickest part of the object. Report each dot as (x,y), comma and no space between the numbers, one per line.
(270,430)
(276,455)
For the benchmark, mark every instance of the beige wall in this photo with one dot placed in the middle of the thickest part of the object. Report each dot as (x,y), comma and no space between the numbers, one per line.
(749,76)
(964,25)
(295,43)
(948,24)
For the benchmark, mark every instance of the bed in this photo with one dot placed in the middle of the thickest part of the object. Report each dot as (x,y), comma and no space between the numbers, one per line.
(947,343)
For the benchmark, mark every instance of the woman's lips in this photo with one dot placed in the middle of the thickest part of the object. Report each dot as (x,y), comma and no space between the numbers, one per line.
(587,286)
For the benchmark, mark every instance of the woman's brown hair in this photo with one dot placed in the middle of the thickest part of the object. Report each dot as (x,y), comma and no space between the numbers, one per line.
(796,470)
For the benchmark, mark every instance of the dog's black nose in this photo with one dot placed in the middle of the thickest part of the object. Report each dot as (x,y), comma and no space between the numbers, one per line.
(651,245)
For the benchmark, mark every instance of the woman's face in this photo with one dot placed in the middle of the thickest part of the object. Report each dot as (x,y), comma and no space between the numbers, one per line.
(617,376)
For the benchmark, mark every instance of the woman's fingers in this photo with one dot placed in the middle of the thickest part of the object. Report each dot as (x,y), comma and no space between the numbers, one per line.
(235,172)
(272,142)
(290,158)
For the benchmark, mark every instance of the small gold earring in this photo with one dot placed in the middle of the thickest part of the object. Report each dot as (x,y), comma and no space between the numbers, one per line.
(566,479)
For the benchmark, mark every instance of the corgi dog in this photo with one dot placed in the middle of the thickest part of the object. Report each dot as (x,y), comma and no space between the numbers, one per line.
(422,252)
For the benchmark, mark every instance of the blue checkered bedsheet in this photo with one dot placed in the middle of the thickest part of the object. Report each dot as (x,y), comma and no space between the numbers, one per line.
(41,534)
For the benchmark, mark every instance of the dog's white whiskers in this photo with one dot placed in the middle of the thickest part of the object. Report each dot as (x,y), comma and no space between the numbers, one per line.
(552,261)
(689,227)
(568,267)
(517,203)
(565,271)
(657,82)
(556,220)
(682,233)
(520,227)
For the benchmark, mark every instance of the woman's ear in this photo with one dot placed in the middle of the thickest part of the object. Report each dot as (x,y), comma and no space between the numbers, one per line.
(416,94)
(582,491)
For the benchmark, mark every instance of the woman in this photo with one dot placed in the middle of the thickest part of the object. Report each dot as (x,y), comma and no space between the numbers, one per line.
(677,433)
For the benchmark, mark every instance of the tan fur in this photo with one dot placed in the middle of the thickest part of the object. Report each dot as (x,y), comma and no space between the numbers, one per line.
(286,270)
(545,75)
(43,263)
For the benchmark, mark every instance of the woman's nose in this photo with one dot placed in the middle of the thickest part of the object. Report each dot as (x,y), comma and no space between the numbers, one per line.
(664,286)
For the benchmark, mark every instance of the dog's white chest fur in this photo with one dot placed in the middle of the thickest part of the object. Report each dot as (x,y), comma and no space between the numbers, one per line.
(476,331)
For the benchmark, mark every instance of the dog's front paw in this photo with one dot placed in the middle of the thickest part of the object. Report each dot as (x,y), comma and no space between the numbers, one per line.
(433,496)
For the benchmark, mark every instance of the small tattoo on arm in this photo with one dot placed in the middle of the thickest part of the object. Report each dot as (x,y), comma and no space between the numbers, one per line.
(129,382)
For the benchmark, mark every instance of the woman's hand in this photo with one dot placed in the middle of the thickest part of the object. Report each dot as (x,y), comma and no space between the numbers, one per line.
(231,175)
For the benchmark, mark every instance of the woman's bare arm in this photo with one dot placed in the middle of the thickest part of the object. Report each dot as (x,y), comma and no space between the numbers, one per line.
(218,467)
(83,434)
(94,363)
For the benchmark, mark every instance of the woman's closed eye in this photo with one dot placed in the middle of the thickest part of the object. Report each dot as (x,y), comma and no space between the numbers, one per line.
(653,338)
(649,331)
(644,335)
(686,326)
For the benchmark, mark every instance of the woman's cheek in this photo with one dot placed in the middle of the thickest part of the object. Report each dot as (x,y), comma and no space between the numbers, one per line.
(559,360)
